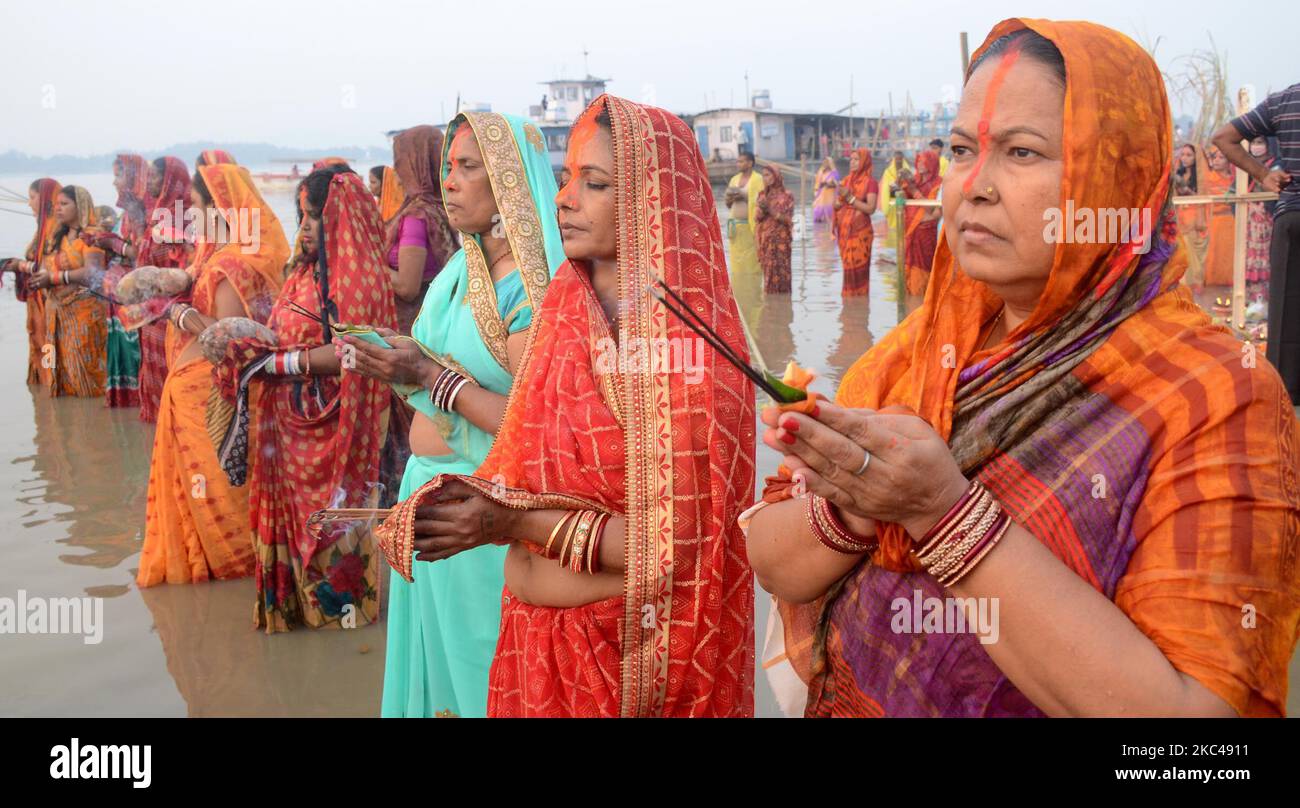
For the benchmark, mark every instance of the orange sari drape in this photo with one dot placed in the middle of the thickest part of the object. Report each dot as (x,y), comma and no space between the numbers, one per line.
(1222,233)
(37,371)
(196,524)
(76,325)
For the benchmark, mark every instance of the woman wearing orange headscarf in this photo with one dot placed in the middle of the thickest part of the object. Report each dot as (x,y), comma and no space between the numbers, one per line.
(196,523)
(1220,179)
(40,198)
(1058,433)
(391,195)
(316,434)
(629,475)
(854,205)
(922,224)
(75,320)
(212,157)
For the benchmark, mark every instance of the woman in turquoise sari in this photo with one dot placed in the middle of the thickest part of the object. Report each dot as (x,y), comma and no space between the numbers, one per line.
(499,191)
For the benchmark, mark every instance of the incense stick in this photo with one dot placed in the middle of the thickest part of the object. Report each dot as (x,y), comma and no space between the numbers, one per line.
(707,335)
(330,515)
(735,357)
(310,315)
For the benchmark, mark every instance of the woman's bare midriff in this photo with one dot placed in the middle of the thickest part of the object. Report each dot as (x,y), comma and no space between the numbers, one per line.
(540,581)
(425,438)
(189,353)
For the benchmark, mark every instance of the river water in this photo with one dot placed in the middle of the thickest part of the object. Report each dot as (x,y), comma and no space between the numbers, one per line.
(73,477)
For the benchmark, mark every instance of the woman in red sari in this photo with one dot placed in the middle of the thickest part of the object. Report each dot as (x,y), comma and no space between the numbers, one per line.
(658,618)
(921,236)
(40,198)
(161,244)
(317,432)
(854,206)
(774,220)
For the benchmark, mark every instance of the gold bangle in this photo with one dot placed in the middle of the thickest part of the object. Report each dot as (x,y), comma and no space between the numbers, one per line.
(568,537)
(942,556)
(555,531)
(962,546)
(585,521)
(953,578)
(973,511)
(596,528)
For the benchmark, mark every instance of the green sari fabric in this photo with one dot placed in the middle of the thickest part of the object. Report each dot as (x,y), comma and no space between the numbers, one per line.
(442,628)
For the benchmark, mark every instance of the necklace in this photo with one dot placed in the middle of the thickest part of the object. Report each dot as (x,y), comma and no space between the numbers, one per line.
(497,260)
(993,327)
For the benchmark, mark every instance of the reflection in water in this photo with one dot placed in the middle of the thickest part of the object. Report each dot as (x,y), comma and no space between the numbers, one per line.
(223,666)
(94,463)
(814,325)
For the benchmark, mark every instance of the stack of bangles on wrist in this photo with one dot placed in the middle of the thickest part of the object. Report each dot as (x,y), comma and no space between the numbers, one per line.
(290,363)
(56,277)
(962,538)
(178,317)
(580,533)
(446,388)
(830,531)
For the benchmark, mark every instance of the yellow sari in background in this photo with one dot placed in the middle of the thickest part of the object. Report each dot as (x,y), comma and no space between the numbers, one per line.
(886,200)
(743,250)
(76,322)
(196,524)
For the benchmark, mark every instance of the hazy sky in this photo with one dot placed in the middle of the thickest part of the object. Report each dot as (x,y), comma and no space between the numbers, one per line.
(86,77)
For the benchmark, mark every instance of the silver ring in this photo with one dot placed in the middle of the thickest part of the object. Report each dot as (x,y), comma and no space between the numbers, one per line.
(865,461)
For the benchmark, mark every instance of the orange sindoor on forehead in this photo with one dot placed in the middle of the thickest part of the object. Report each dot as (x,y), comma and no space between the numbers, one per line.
(583,132)
(463,134)
(1009,57)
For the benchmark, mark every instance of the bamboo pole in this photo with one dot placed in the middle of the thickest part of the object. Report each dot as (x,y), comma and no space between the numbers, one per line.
(1240,215)
(900,252)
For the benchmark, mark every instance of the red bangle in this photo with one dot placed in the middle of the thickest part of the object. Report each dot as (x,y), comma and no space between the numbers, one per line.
(831,532)
(950,518)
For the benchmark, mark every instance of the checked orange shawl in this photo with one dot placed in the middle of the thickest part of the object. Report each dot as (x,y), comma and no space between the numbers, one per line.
(677,459)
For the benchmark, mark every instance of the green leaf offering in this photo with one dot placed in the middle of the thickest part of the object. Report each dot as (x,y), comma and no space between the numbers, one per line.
(789,395)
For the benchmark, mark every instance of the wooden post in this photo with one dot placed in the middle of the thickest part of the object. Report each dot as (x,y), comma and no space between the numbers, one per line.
(965,57)
(1240,217)
(804,224)
(900,228)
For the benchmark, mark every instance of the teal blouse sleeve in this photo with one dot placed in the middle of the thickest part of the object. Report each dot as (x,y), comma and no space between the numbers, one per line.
(513,305)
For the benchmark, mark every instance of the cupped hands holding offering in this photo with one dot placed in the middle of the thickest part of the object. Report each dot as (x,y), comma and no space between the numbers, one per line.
(401,363)
(886,466)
